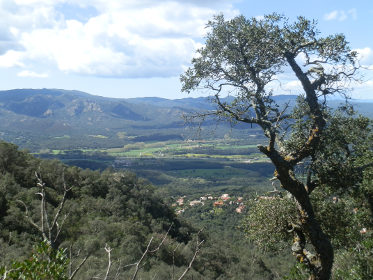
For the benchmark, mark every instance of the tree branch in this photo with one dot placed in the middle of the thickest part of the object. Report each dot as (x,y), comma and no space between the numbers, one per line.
(137,264)
(30,220)
(108,251)
(198,248)
(72,275)
(147,251)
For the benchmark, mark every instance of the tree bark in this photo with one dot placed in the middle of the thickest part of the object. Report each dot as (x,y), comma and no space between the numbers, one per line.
(320,264)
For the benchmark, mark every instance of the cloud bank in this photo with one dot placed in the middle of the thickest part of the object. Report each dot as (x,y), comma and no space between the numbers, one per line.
(125,39)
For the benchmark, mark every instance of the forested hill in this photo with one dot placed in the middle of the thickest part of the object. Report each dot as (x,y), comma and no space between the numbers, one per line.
(85,214)
(116,209)
(50,118)
(60,119)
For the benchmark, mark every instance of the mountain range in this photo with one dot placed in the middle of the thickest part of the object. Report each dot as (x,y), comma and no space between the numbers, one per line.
(41,114)
(40,118)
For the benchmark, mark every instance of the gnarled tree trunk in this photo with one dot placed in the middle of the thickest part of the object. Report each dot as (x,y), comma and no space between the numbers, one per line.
(248,55)
(320,263)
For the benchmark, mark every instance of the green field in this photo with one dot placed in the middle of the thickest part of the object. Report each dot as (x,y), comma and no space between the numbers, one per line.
(234,149)
(183,167)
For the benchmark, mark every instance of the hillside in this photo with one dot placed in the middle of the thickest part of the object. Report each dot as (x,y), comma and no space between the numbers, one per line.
(116,210)
(45,116)
(60,119)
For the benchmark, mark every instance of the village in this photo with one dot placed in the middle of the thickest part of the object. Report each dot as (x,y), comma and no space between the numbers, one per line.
(224,200)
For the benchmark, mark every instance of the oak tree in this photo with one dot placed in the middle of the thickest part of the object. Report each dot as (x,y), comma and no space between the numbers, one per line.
(245,59)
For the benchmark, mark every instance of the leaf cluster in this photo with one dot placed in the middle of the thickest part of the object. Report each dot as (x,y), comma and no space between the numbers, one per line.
(44,263)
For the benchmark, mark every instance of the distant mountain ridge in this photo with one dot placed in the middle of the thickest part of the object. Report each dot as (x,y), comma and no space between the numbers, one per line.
(30,116)
(38,118)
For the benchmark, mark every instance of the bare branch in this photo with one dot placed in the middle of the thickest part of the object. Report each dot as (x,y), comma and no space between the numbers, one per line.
(59,227)
(43,210)
(148,251)
(60,206)
(173,261)
(51,231)
(31,221)
(305,45)
(118,270)
(72,275)
(108,251)
(198,248)
(163,239)
(137,264)
(236,116)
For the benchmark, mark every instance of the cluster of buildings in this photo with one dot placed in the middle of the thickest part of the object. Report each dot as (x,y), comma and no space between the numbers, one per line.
(216,201)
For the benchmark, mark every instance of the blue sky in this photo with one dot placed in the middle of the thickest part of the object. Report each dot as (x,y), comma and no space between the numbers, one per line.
(137,48)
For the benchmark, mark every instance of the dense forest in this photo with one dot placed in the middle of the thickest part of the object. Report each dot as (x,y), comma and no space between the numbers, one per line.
(117,210)
(112,209)
(99,208)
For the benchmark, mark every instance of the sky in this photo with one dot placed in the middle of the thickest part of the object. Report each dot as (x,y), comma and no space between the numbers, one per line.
(139,48)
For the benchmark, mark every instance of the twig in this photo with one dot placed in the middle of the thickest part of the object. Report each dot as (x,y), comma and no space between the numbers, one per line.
(173,261)
(79,267)
(118,273)
(108,251)
(147,251)
(164,238)
(31,221)
(141,259)
(198,248)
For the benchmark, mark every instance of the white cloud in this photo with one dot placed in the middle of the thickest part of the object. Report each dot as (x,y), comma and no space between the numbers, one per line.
(341,15)
(293,86)
(11,59)
(365,57)
(31,74)
(365,84)
(284,84)
(363,90)
(331,16)
(141,38)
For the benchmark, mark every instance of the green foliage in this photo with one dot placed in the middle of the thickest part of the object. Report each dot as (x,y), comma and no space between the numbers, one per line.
(355,263)
(44,263)
(341,218)
(118,209)
(231,47)
(125,211)
(227,251)
(269,221)
(297,272)
(345,149)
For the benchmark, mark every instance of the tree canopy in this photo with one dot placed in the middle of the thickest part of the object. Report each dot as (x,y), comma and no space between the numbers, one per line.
(78,214)
(249,60)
